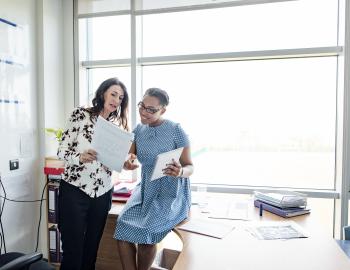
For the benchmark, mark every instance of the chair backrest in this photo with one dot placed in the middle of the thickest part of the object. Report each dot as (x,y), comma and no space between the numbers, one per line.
(346,232)
(22,261)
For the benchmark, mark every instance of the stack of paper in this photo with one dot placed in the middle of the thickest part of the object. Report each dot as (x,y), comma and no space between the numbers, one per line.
(283,212)
(282,199)
(284,204)
(122,191)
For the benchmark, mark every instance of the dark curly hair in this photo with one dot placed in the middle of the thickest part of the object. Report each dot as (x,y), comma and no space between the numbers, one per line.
(119,115)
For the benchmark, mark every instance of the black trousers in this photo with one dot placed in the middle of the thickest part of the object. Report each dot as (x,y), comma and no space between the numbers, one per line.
(81,220)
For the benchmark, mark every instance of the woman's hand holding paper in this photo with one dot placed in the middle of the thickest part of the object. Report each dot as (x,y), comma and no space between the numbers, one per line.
(88,156)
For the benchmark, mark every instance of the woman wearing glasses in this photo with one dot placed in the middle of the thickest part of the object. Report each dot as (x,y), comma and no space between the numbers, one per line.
(155,207)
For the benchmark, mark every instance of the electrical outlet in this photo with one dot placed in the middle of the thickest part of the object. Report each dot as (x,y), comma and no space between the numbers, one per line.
(14,164)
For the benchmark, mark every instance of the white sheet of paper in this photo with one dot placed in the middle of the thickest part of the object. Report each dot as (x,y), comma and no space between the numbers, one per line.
(163,159)
(271,230)
(207,227)
(227,208)
(111,143)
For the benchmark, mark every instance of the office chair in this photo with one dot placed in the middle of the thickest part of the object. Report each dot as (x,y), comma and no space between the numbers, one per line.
(20,261)
(346,232)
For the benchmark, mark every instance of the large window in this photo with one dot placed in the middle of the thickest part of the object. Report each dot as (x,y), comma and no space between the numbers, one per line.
(254,86)
(261,123)
(108,38)
(285,25)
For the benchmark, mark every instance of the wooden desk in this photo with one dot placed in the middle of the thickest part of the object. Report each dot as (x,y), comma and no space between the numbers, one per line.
(108,255)
(240,250)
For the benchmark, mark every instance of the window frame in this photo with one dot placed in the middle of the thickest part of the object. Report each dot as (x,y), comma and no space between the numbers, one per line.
(341,190)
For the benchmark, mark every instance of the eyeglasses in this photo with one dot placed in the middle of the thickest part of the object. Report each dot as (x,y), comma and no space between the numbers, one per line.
(147,109)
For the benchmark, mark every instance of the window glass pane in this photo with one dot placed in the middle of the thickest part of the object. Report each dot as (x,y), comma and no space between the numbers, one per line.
(267,122)
(284,25)
(83,41)
(93,6)
(155,4)
(106,37)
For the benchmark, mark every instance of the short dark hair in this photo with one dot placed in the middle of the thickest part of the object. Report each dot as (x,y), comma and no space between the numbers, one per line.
(98,102)
(160,94)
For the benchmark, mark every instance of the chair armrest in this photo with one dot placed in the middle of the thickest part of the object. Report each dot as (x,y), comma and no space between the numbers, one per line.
(346,231)
(22,261)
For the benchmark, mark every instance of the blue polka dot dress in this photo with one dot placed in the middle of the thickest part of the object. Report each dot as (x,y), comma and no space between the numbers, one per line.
(155,207)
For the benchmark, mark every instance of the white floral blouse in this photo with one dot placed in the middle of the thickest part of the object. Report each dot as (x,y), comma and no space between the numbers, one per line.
(92,178)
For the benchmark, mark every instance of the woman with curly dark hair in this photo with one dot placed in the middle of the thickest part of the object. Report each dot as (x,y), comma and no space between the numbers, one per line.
(86,190)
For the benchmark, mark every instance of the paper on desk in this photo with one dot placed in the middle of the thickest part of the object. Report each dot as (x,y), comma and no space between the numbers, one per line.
(163,159)
(277,230)
(207,227)
(229,209)
(124,187)
(111,143)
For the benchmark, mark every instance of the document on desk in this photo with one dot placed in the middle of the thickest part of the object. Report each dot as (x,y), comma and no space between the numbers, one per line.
(229,209)
(163,160)
(207,227)
(111,143)
(277,230)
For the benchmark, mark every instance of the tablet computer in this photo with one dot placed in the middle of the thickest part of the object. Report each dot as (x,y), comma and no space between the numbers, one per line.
(162,160)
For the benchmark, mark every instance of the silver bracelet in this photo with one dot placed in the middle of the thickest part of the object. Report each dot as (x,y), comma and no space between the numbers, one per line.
(182,172)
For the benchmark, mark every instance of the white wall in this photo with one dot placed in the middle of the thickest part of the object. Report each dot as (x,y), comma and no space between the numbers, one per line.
(53,63)
(68,57)
(55,49)
(19,125)
(45,84)
(55,69)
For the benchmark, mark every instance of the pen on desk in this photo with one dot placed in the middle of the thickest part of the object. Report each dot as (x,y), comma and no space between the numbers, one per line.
(261,210)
